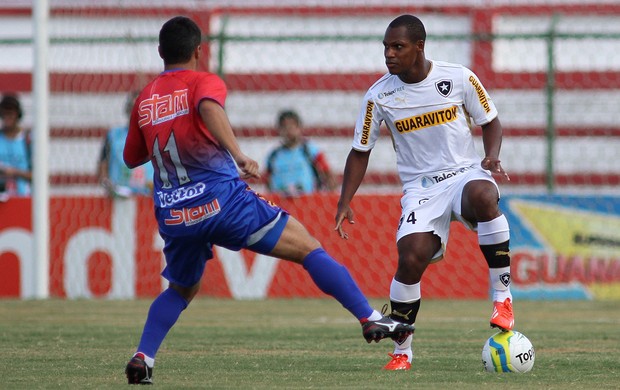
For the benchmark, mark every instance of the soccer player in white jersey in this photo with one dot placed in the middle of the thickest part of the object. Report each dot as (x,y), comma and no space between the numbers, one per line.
(428,106)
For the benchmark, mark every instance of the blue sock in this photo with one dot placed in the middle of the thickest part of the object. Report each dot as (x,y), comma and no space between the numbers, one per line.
(163,314)
(334,279)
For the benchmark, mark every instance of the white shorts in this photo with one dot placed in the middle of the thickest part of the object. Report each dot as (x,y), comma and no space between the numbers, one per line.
(430,206)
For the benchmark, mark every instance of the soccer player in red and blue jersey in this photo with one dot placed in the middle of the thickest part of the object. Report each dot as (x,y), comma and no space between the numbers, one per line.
(179,124)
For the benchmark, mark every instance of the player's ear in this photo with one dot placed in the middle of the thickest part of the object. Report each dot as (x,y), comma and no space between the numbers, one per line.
(159,51)
(198,52)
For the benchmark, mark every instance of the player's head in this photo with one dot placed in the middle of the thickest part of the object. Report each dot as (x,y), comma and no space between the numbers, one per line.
(289,127)
(414,26)
(179,38)
(403,46)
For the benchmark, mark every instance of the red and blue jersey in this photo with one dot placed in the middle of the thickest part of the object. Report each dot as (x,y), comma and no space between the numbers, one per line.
(200,200)
(166,129)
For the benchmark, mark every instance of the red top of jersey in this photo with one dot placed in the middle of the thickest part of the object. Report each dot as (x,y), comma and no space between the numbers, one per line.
(166,128)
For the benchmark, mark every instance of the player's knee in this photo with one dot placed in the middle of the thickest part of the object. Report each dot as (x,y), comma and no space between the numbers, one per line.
(411,267)
(481,190)
(310,244)
(295,248)
(484,205)
(188,293)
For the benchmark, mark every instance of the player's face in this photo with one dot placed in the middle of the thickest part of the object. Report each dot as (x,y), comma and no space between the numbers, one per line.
(401,54)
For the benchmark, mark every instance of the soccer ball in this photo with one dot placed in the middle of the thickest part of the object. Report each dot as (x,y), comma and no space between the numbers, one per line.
(508,352)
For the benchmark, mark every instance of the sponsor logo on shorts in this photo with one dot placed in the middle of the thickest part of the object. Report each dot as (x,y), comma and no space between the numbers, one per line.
(173,197)
(428,181)
(192,215)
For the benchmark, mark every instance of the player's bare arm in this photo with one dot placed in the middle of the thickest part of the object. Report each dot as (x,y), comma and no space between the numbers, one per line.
(354,171)
(216,120)
(492,140)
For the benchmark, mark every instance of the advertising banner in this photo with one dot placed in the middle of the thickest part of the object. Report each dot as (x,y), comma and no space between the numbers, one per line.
(562,247)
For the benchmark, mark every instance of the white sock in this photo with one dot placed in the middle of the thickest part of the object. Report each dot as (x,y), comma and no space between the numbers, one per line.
(147,359)
(401,292)
(375,316)
(493,232)
(404,348)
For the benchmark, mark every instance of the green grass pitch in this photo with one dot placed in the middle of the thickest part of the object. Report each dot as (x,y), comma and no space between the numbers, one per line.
(300,344)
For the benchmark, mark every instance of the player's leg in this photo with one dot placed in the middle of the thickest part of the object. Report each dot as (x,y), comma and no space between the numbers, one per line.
(163,314)
(185,262)
(422,234)
(479,205)
(415,252)
(293,242)
(297,245)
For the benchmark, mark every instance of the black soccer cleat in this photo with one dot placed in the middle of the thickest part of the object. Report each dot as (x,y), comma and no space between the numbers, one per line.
(383,328)
(138,372)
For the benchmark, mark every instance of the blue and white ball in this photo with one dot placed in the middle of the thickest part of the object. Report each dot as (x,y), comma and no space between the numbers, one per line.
(508,352)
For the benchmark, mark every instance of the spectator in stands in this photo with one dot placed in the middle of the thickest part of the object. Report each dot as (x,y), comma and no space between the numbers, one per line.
(428,107)
(297,166)
(113,174)
(15,161)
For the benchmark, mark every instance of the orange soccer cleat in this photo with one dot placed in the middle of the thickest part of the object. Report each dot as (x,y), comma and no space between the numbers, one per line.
(502,316)
(399,361)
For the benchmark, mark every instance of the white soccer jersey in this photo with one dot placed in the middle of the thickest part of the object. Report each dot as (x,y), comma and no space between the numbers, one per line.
(429,121)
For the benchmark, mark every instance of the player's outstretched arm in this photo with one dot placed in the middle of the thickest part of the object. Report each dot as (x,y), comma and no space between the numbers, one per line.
(354,171)
(216,120)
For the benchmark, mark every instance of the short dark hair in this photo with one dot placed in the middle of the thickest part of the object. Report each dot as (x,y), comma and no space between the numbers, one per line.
(415,27)
(178,38)
(288,114)
(11,103)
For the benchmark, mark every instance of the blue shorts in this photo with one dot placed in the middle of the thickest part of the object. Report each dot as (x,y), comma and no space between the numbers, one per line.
(239,218)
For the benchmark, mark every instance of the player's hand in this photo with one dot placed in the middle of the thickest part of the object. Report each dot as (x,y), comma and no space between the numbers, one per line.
(344,212)
(248,167)
(494,165)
